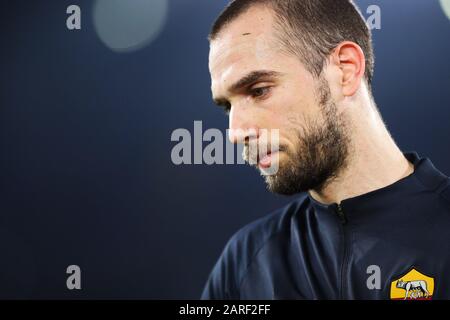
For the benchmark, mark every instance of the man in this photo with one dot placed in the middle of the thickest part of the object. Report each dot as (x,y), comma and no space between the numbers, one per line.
(370,221)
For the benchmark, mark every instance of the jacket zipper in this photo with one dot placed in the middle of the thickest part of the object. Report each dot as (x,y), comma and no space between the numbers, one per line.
(341,214)
(343,218)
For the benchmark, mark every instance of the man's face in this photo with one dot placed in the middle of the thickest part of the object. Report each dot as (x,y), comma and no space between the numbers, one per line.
(267,88)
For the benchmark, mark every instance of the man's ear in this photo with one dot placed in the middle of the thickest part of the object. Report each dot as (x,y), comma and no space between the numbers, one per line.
(350,59)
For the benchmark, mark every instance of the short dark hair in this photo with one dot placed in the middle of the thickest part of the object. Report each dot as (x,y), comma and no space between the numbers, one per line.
(310,29)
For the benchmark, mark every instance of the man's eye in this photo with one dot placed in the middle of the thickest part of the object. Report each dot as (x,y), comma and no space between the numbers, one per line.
(259,92)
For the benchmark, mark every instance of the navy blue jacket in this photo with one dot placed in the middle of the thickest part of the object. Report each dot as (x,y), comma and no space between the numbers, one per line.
(391,243)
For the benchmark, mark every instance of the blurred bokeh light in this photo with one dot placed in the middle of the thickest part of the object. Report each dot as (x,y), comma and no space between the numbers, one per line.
(446,7)
(127,26)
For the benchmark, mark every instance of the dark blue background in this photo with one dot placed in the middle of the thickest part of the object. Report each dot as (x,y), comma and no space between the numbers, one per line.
(86,174)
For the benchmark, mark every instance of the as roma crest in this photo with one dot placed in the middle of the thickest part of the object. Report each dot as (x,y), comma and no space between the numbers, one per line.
(414,285)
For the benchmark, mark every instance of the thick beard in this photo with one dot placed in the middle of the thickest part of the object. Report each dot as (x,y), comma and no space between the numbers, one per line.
(321,152)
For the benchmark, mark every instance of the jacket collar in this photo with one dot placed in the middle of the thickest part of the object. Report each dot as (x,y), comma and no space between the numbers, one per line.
(424,178)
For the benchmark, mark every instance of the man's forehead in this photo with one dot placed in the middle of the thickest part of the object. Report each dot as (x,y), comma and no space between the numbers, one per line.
(224,53)
(249,34)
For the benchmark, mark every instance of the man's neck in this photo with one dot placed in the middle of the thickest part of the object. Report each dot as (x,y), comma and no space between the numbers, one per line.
(374,161)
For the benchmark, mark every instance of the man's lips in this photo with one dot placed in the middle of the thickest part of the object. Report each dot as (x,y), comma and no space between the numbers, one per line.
(266,160)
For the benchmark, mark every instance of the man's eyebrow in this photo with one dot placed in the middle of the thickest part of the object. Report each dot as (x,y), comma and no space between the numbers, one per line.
(253,77)
(247,80)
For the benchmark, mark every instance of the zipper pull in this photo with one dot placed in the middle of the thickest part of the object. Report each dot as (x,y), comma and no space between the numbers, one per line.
(341,214)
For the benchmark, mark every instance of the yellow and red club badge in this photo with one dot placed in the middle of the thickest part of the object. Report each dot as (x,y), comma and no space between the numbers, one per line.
(414,285)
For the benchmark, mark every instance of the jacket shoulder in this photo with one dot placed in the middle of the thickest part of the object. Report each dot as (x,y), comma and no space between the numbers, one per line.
(240,250)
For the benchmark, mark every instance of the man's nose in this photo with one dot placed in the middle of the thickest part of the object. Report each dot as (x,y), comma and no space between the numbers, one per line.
(242,127)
